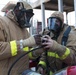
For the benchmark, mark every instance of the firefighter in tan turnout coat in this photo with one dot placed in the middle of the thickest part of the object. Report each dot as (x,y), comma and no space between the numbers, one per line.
(58,54)
(15,40)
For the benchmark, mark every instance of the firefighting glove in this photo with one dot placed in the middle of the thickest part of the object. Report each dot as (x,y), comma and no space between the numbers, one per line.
(37,38)
(31,41)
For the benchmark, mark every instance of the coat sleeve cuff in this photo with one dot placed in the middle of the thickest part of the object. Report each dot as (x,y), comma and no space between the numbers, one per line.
(59,49)
(13,48)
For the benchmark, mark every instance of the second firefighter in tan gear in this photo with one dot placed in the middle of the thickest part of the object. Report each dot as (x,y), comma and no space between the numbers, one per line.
(58,55)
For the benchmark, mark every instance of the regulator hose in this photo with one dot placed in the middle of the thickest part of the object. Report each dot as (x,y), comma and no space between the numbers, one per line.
(38,47)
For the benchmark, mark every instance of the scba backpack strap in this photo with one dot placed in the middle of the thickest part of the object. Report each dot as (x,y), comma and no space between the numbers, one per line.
(65,36)
(64,40)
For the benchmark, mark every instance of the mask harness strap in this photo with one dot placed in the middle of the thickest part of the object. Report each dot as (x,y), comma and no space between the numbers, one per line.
(64,41)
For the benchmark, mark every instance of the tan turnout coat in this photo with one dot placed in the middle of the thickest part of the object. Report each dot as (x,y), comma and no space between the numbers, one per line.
(57,63)
(9,31)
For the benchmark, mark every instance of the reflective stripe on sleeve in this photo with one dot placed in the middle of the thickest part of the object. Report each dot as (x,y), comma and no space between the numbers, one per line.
(13,48)
(42,63)
(67,52)
(52,54)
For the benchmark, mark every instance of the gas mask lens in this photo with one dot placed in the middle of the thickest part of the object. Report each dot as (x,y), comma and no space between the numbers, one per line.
(28,16)
(24,18)
(54,24)
(27,19)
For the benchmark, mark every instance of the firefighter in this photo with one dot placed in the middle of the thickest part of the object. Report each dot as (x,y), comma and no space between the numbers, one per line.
(58,53)
(15,39)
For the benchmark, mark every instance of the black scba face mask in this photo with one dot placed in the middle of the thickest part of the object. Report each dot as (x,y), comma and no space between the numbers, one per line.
(24,17)
(54,24)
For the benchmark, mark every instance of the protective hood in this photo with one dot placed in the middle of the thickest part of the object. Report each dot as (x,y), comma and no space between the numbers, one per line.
(58,15)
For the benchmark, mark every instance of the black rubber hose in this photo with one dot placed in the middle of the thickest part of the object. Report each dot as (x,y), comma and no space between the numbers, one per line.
(38,47)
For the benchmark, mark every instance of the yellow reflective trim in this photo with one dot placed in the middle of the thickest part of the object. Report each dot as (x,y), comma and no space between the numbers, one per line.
(13,48)
(30,54)
(67,52)
(52,54)
(51,73)
(26,49)
(42,63)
